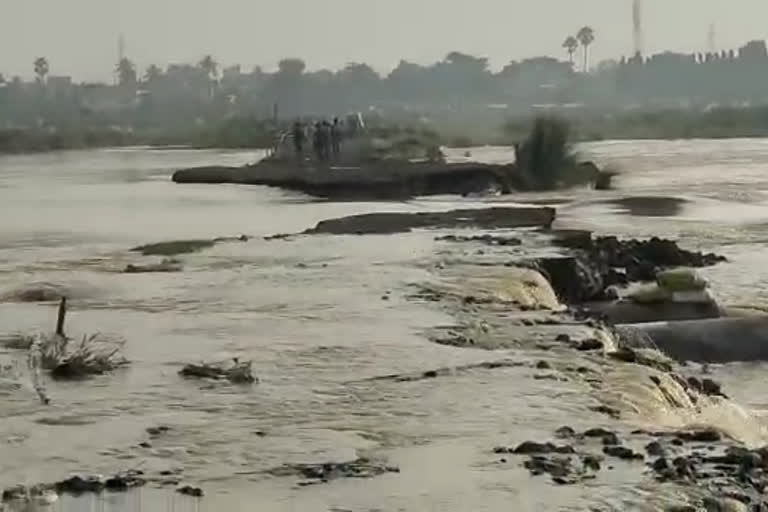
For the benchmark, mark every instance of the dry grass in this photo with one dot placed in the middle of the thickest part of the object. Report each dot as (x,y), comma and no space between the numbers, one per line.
(93,355)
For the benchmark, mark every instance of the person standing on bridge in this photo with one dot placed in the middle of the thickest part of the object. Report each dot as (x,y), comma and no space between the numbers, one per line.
(336,135)
(298,139)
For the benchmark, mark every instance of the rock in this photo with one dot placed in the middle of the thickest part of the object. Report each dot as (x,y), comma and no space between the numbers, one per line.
(604,409)
(565,432)
(706,435)
(563,338)
(622,452)
(608,437)
(598,432)
(590,345)
(711,388)
(80,485)
(359,468)
(557,467)
(738,456)
(592,462)
(125,481)
(188,490)
(531,447)
(543,365)
(655,449)
(597,264)
(724,505)
(575,279)
(644,357)
(157,431)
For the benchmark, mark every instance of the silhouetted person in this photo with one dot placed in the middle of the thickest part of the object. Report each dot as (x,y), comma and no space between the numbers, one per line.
(298,139)
(325,140)
(336,135)
(317,143)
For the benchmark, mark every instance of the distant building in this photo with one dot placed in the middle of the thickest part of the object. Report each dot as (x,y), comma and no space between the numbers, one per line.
(59,86)
(754,50)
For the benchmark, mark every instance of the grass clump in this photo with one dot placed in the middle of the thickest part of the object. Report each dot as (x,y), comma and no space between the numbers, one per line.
(93,355)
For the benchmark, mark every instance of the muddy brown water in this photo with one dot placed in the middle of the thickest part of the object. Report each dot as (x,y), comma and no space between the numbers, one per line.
(310,314)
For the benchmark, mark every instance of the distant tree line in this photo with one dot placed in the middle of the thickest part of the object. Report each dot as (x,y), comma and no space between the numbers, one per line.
(459,90)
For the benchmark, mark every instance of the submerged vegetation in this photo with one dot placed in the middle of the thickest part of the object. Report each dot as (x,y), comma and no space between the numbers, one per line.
(547,160)
(546,156)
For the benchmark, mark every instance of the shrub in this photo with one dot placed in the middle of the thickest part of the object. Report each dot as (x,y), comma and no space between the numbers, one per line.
(546,156)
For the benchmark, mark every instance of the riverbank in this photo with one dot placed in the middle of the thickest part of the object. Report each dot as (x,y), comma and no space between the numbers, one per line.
(253,133)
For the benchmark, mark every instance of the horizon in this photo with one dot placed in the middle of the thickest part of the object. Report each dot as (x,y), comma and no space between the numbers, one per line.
(236,32)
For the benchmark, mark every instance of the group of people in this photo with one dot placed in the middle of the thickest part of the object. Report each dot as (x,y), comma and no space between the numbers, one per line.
(326,138)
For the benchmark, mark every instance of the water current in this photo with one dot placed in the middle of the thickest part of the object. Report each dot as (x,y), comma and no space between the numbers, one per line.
(310,314)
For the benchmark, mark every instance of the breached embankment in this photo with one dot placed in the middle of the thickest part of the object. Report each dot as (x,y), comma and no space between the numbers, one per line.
(658,415)
(371,180)
(627,385)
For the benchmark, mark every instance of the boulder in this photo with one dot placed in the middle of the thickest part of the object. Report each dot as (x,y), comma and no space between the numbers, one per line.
(575,279)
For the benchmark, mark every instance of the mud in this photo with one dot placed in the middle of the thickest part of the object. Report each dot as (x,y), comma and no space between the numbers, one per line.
(389,223)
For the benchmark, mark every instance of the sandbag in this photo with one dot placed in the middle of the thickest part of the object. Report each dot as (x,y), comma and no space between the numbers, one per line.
(649,294)
(694,297)
(681,280)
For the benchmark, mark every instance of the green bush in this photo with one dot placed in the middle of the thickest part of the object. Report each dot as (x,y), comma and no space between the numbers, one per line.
(546,156)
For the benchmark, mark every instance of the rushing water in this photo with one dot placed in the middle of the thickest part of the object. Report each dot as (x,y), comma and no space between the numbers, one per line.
(310,315)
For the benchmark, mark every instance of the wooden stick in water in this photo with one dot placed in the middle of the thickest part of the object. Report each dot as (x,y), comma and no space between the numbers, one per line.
(62,315)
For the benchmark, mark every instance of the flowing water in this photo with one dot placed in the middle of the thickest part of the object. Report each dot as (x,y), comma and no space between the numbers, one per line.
(310,314)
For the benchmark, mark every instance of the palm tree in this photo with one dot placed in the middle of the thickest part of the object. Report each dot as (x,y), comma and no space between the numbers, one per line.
(41,69)
(152,74)
(571,44)
(210,66)
(126,72)
(586,37)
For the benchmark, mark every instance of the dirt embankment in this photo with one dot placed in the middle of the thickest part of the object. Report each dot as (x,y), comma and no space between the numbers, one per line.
(372,181)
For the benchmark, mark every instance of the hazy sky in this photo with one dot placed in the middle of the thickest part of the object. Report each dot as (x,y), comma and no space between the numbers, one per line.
(79,37)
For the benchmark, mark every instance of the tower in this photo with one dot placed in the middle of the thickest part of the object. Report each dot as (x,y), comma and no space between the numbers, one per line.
(637,24)
(711,39)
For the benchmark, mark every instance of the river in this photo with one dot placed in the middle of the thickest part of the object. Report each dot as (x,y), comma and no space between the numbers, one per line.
(310,314)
